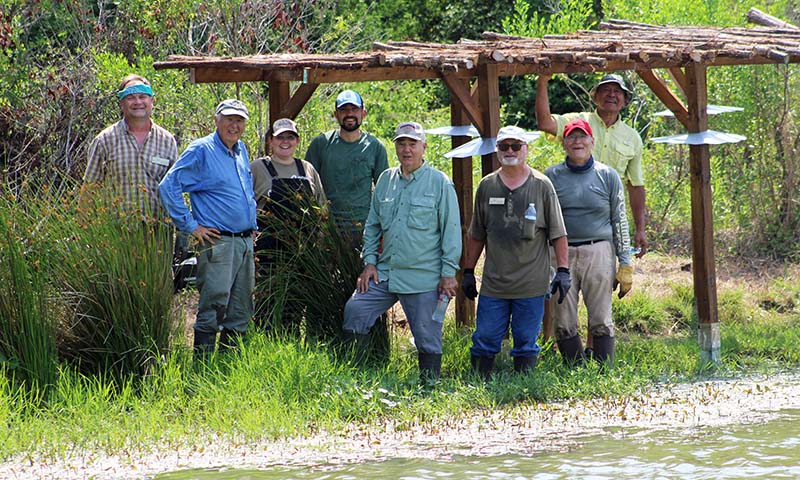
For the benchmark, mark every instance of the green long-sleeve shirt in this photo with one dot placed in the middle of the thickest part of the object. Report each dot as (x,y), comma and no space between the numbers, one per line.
(420,224)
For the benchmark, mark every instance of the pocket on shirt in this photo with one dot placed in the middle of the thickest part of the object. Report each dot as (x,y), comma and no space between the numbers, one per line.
(624,152)
(155,170)
(421,214)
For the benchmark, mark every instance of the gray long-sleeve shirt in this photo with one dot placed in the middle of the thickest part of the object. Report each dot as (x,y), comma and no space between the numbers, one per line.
(593,205)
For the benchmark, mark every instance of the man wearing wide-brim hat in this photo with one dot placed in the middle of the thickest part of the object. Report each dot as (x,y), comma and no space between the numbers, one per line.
(615,143)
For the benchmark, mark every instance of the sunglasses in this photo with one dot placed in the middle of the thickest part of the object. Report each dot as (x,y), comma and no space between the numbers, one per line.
(515,147)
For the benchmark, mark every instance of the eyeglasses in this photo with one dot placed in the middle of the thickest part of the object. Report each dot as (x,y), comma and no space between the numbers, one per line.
(513,146)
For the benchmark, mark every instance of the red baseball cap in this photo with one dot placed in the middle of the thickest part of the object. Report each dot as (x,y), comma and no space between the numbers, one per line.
(577,124)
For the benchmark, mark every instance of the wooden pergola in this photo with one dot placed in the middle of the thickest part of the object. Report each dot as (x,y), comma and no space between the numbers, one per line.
(471,71)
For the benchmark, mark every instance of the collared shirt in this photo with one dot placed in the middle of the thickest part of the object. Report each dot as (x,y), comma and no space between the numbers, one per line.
(517,265)
(219,184)
(593,205)
(348,171)
(618,146)
(419,220)
(115,158)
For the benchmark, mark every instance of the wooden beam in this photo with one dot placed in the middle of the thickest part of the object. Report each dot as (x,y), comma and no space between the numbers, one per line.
(226,75)
(662,91)
(381,74)
(460,93)
(462,178)
(703,270)
(295,104)
(489,102)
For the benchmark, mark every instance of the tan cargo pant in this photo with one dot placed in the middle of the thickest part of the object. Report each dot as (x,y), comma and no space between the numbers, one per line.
(592,268)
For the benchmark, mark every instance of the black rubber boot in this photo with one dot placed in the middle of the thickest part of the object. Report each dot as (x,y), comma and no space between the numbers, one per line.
(604,349)
(203,345)
(229,340)
(359,342)
(571,350)
(430,367)
(483,366)
(525,364)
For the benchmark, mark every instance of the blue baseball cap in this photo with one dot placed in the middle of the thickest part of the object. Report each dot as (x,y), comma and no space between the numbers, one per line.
(349,97)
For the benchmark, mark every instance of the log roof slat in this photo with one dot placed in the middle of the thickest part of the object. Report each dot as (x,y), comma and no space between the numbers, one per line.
(617,45)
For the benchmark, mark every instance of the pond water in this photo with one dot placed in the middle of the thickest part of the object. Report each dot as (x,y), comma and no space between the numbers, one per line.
(769,450)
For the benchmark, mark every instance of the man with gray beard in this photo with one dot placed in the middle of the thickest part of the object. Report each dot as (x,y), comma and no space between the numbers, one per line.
(516,217)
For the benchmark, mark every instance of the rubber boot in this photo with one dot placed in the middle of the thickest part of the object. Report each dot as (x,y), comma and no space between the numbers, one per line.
(604,349)
(359,342)
(483,366)
(571,350)
(203,345)
(430,367)
(525,364)
(229,340)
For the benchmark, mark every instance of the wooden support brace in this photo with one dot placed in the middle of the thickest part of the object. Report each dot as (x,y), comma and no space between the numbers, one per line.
(667,97)
(295,104)
(459,89)
(489,102)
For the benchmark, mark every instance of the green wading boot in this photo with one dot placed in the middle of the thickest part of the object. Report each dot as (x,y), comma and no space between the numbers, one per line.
(430,367)
(571,350)
(524,365)
(203,345)
(483,366)
(604,349)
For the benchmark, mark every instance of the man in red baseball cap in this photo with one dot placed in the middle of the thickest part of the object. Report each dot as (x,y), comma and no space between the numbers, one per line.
(593,206)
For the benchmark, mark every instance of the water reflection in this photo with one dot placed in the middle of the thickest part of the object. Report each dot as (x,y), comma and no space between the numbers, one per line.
(753,451)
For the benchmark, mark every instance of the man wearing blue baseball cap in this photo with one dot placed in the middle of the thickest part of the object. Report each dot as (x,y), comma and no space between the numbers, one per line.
(349,161)
(133,155)
(215,172)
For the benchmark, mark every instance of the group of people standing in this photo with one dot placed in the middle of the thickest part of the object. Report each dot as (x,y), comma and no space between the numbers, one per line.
(405,220)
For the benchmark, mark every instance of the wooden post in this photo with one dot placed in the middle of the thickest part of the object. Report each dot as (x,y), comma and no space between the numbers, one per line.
(278,98)
(705,284)
(462,177)
(489,102)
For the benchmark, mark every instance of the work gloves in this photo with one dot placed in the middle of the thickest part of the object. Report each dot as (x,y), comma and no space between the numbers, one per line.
(561,283)
(624,279)
(468,285)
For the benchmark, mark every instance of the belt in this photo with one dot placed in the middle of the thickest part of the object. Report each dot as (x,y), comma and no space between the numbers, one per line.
(587,242)
(243,234)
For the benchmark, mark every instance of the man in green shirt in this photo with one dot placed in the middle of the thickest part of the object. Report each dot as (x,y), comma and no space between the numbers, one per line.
(415,210)
(349,162)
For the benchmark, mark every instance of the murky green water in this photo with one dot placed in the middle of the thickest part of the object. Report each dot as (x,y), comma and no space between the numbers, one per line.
(768,450)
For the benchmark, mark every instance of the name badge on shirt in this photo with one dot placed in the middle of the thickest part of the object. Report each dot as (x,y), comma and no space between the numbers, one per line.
(497,201)
(160,161)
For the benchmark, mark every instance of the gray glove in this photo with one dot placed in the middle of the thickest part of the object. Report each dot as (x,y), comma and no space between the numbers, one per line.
(561,283)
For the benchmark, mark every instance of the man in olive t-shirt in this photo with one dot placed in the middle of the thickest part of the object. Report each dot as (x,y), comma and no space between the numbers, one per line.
(516,215)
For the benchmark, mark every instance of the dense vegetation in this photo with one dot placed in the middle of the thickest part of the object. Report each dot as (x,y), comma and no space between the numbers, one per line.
(89,322)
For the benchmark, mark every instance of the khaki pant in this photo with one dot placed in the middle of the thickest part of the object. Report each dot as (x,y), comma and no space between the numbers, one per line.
(592,268)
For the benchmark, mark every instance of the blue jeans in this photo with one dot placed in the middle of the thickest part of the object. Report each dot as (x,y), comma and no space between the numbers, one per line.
(492,323)
(363,309)
(225,280)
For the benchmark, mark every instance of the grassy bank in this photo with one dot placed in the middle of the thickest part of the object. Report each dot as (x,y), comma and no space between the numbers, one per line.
(275,388)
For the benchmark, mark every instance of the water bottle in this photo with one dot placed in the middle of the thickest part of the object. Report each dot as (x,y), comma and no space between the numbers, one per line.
(441,308)
(530,213)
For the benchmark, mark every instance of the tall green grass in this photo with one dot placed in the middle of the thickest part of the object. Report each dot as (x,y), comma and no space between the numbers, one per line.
(27,327)
(115,281)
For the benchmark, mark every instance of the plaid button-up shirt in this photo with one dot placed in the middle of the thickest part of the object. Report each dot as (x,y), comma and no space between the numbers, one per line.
(133,171)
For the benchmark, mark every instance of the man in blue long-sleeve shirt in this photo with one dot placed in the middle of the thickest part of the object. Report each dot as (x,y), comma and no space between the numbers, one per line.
(215,171)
